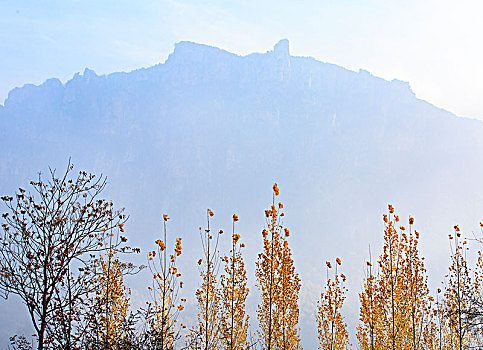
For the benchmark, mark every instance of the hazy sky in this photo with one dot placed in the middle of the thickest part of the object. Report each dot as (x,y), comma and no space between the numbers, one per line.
(434,44)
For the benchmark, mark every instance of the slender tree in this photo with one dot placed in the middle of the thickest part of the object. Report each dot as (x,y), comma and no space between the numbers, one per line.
(207,332)
(441,326)
(392,283)
(288,300)
(234,292)
(162,313)
(108,312)
(279,285)
(369,332)
(420,329)
(461,288)
(331,327)
(476,310)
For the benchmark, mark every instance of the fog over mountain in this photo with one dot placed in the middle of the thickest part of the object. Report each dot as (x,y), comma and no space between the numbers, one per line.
(211,129)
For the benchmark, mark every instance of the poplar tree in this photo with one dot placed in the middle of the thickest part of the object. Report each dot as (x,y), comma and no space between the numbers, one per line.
(369,333)
(207,332)
(161,314)
(279,284)
(234,291)
(392,284)
(396,308)
(108,312)
(331,328)
(421,327)
(460,292)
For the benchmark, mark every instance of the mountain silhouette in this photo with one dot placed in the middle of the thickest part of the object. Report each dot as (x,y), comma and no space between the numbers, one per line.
(211,129)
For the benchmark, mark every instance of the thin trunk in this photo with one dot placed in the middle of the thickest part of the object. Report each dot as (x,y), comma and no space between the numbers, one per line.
(392,295)
(270,289)
(371,289)
(41,337)
(43,323)
(283,299)
(460,335)
(207,285)
(69,330)
(372,322)
(163,316)
(232,287)
(107,345)
(440,326)
(43,317)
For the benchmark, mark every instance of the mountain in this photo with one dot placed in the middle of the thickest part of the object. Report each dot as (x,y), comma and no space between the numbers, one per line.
(211,129)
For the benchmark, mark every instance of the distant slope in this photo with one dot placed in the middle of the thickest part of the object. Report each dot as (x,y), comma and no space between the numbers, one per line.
(208,128)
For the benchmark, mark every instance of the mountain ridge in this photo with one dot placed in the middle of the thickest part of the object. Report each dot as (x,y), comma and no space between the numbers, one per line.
(197,53)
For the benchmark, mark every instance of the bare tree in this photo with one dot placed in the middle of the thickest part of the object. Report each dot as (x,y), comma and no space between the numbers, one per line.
(48,245)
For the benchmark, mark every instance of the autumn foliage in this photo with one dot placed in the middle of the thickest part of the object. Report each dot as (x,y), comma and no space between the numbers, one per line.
(165,305)
(110,307)
(207,333)
(396,308)
(279,284)
(332,330)
(461,294)
(234,292)
(63,252)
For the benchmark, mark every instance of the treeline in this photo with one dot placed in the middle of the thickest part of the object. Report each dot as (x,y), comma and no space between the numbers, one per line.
(64,254)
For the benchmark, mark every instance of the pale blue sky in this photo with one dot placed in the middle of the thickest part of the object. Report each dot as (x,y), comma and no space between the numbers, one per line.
(433,44)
